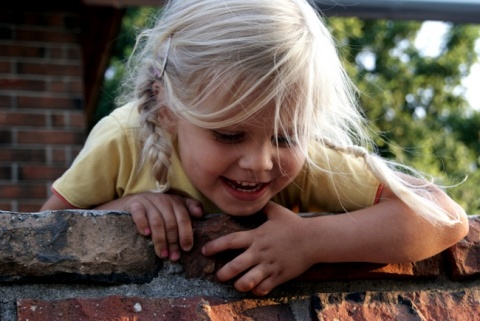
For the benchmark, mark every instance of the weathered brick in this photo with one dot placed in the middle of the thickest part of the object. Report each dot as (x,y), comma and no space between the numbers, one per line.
(464,257)
(45,246)
(162,309)
(405,306)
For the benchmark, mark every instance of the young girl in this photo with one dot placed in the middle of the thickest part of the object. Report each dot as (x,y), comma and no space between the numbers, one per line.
(241,106)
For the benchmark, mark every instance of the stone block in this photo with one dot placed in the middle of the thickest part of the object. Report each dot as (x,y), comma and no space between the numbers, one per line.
(71,245)
(464,257)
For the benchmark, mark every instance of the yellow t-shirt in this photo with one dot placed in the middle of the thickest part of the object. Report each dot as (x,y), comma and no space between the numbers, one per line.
(108,167)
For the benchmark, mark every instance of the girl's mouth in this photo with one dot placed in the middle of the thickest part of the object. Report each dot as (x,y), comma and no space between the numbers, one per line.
(244,187)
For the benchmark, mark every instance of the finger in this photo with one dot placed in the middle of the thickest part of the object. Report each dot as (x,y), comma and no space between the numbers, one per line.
(235,267)
(139,216)
(157,221)
(195,208)
(184,227)
(232,241)
(251,280)
(168,223)
(266,285)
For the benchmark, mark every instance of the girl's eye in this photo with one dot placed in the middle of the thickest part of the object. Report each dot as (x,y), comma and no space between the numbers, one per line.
(284,141)
(228,138)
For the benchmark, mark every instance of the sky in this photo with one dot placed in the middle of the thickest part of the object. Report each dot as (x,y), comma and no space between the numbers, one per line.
(429,41)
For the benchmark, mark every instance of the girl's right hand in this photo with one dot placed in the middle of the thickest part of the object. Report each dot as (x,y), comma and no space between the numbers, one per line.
(166,217)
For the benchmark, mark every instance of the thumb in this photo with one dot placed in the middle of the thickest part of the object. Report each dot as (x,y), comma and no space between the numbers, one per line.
(272,210)
(194,207)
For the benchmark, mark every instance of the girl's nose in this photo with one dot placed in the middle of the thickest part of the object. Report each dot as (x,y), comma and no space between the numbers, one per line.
(257,157)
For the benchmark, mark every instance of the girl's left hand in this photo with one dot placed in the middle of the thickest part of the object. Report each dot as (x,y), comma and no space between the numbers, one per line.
(275,252)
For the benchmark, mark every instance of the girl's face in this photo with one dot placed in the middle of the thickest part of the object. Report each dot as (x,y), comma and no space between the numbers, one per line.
(239,168)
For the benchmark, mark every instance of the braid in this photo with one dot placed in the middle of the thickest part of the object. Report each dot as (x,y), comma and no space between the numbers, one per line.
(157,145)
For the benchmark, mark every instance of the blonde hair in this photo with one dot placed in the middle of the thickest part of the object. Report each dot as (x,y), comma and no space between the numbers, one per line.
(269,51)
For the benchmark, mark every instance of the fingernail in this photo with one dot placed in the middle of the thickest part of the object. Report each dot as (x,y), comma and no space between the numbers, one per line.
(147,231)
(164,254)
(174,256)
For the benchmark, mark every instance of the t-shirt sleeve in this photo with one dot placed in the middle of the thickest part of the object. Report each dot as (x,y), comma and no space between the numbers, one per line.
(336,182)
(95,176)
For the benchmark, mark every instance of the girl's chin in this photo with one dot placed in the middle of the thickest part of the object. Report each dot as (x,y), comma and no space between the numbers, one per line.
(242,211)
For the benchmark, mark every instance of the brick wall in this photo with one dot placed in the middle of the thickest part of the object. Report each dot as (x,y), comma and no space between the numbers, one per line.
(93,265)
(41,99)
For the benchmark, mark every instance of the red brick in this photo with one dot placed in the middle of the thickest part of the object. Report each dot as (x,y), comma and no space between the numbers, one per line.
(48,102)
(22,155)
(22,84)
(77,120)
(48,137)
(405,306)
(6,206)
(49,69)
(9,118)
(53,36)
(66,86)
(130,308)
(5,137)
(40,172)
(6,33)
(65,155)
(5,67)
(27,191)
(5,101)
(30,206)
(464,257)
(5,172)
(74,53)
(56,53)
(17,50)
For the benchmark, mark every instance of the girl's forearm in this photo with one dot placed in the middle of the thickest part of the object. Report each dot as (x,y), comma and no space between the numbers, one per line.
(388,232)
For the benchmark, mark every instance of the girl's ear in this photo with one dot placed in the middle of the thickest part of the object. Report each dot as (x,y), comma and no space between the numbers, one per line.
(165,116)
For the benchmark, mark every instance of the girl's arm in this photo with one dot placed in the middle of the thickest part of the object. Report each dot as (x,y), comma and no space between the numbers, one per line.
(287,245)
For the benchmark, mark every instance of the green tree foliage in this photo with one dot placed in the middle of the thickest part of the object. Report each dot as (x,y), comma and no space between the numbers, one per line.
(414,101)
(134,20)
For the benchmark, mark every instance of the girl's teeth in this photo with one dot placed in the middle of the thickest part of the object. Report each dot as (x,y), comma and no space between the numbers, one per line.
(246,186)
(245,183)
